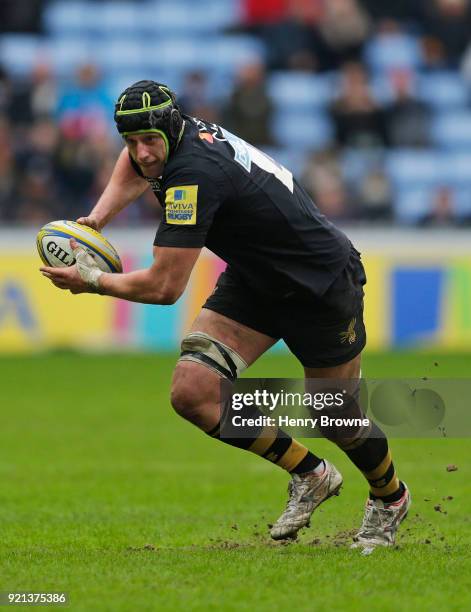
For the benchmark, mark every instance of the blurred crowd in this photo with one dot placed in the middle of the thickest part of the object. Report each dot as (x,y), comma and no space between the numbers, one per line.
(57,145)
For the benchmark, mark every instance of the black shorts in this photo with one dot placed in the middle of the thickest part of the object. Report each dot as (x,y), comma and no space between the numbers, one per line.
(320,332)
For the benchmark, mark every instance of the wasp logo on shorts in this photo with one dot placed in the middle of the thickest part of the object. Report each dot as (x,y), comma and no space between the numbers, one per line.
(350,335)
(181,204)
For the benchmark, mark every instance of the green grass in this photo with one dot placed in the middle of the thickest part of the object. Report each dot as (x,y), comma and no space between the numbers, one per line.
(108,495)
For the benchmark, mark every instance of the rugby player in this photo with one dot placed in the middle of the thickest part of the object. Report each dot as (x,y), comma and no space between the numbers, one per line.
(291,275)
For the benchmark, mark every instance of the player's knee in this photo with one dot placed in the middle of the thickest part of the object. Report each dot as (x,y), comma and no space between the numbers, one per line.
(183,400)
(189,393)
(203,364)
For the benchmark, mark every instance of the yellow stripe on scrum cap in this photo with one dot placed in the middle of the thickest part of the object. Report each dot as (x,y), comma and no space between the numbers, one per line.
(133,111)
(115,262)
(146,100)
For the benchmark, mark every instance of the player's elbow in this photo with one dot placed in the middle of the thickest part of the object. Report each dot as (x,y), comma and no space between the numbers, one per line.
(167,299)
(165,289)
(166,296)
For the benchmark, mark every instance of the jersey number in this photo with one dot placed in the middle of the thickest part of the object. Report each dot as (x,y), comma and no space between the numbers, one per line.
(245,154)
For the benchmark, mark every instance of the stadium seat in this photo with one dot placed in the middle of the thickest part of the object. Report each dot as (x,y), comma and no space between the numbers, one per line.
(300,89)
(113,55)
(214,53)
(152,17)
(72,17)
(416,176)
(452,130)
(116,18)
(181,16)
(381,88)
(443,90)
(67,53)
(234,51)
(463,202)
(413,203)
(388,51)
(306,131)
(356,163)
(116,55)
(457,168)
(409,167)
(219,56)
(19,52)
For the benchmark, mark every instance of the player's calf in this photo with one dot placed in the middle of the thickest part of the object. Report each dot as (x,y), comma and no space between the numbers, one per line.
(367,447)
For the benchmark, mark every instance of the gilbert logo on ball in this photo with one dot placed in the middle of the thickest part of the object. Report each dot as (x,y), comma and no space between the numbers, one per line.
(53,242)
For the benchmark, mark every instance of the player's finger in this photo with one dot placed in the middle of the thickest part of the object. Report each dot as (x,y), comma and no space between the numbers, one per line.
(76,247)
(88,222)
(53,273)
(57,272)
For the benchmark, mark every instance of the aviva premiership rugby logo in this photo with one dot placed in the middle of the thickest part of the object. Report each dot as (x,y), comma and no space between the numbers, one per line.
(181,204)
(350,335)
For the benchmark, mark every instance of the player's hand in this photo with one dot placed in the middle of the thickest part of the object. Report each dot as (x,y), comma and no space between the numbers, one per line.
(83,277)
(90,222)
(66,278)
(87,267)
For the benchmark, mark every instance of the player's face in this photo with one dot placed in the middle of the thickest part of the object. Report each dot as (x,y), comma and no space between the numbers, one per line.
(148,150)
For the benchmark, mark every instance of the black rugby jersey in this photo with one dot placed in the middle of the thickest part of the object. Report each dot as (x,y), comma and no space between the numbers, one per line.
(220,192)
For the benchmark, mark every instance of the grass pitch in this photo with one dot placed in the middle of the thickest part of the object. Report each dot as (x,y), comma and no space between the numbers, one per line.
(109,496)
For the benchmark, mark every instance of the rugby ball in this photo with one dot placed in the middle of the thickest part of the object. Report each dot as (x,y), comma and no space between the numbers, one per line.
(53,242)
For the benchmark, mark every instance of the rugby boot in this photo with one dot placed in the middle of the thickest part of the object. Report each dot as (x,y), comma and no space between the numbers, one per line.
(306,492)
(381,522)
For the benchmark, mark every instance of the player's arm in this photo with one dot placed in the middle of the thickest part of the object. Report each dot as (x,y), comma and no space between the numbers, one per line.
(191,201)
(124,187)
(162,283)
